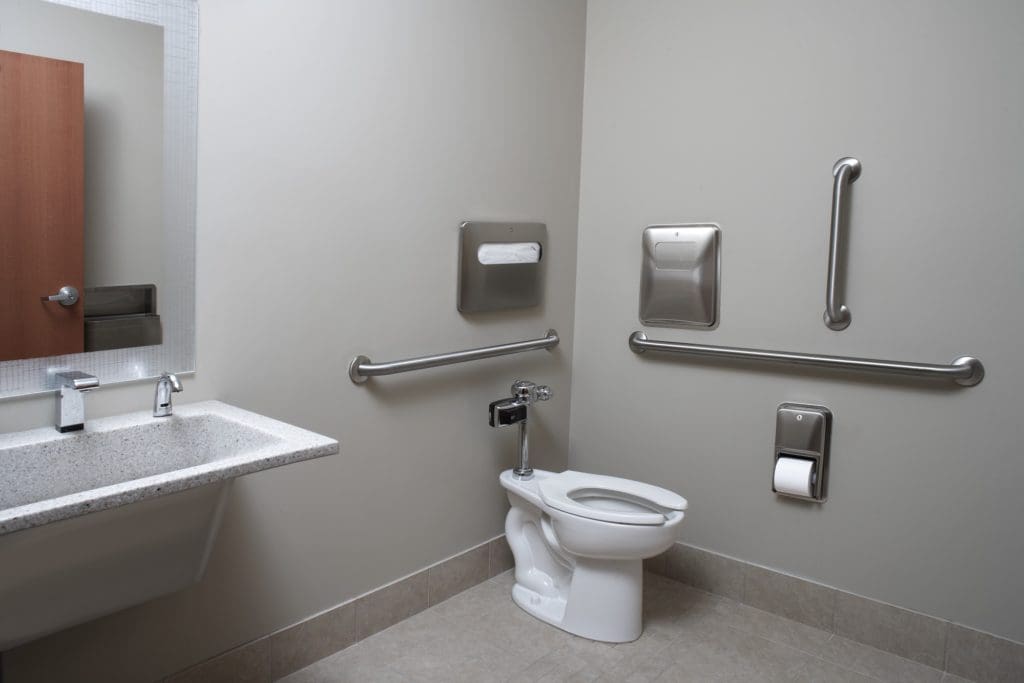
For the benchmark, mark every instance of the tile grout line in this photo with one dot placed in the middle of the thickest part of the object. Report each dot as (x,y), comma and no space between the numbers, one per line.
(353,602)
(377,589)
(831,636)
(669,573)
(835,610)
(781,643)
(739,629)
(814,655)
(947,625)
(358,640)
(945,648)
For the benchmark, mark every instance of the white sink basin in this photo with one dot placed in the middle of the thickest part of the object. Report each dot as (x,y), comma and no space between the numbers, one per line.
(125,510)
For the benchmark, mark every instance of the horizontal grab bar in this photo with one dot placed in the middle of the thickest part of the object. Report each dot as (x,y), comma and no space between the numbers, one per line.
(362,368)
(965,371)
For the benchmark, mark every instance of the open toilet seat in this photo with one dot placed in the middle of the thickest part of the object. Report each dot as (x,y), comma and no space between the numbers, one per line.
(609,499)
(579,541)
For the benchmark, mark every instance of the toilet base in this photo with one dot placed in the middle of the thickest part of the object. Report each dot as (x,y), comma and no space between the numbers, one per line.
(603,601)
(582,575)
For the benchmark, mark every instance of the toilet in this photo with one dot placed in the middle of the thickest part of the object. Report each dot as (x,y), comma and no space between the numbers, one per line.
(579,541)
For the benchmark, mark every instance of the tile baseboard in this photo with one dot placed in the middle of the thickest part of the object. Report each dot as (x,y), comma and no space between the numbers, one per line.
(938,643)
(278,654)
(962,652)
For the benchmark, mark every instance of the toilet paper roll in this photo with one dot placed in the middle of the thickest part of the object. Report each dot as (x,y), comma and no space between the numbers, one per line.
(794,476)
(508,252)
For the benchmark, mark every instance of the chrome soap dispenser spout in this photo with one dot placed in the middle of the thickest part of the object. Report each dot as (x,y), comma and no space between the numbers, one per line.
(167,385)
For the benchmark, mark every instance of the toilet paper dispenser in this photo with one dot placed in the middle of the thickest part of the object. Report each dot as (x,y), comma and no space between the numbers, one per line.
(800,460)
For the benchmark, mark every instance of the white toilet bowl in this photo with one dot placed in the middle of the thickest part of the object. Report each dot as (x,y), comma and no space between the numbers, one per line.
(579,541)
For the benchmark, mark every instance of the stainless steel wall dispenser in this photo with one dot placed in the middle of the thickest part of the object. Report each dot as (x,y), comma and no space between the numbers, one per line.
(680,275)
(802,436)
(501,266)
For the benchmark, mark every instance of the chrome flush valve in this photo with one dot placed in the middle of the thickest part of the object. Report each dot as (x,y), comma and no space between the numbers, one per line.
(510,411)
(528,392)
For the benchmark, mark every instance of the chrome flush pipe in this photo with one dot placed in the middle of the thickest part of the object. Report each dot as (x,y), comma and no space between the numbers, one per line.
(522,468)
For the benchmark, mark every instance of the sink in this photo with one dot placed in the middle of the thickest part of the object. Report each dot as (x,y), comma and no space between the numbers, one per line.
(124,511)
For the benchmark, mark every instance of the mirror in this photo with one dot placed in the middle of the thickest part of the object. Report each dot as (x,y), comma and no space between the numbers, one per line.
(98,147)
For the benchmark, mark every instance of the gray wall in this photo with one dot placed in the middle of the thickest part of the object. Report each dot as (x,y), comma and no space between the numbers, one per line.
(341,145)
(735,112)
(124,62)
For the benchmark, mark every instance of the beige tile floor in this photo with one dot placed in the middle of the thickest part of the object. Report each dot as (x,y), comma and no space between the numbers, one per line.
(689,635)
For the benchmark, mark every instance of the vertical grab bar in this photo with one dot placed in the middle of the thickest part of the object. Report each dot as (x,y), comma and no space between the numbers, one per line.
(837,316)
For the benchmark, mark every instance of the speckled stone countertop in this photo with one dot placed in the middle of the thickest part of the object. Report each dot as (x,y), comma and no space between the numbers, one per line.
(46,476)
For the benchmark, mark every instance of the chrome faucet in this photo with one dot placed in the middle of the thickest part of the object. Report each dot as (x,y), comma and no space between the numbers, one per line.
(71,388)
(165,386)
(514,410)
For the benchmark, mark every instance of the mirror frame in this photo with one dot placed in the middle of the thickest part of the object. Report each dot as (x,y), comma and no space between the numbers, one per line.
(180,21)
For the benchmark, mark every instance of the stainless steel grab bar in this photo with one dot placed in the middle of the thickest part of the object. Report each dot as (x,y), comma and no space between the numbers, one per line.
(845,171)
(362,368)
(965,370)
